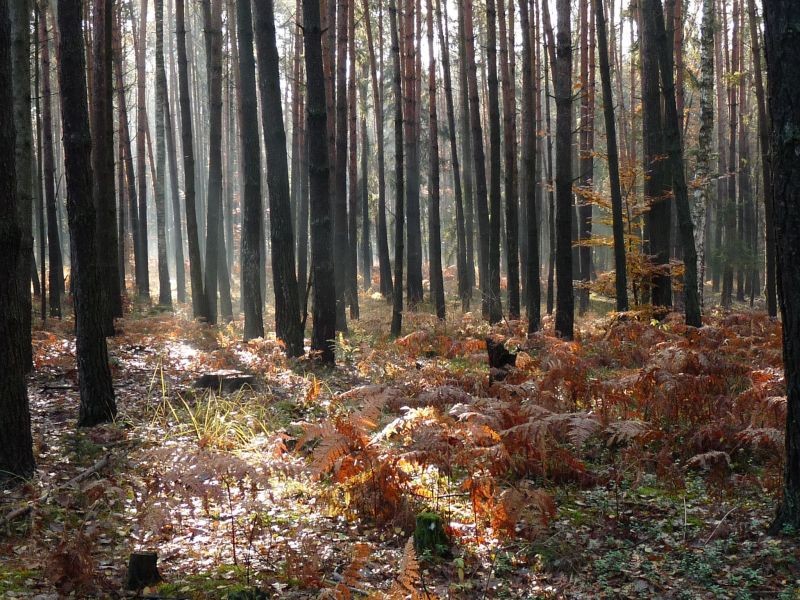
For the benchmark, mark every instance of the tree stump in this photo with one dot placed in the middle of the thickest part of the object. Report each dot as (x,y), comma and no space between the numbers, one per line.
(142,570)
(500,359)
(430,538)
(225,381)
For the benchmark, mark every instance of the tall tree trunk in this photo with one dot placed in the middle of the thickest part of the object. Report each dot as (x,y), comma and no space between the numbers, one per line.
(399,210)
(164,291)
(673,147)
(97,403)
(366,242)
(495,190)
(530,91)
(464,283)
(766,163)
(729,211)
(434,226)
(478,157)
(702,193)
(324,328)
(199,301)
(16,442)
(303,212)
(377,102)
(251,174)
(551,262)
(143,274)
(38,190)
(288,326)
(213,42)
(466,149)
(562,75)
(352,166)
(509,162)
(586,160)
(656,176)
(55,260)
(341,240)
(412,140)
(621,278)
(19,10)
(177,223)
(782,45)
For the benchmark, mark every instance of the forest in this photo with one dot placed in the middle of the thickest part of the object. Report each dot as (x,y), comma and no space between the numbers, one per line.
(399,299)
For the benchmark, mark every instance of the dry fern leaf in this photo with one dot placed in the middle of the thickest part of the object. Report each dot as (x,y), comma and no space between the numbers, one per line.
(709,460)
(405,585)
(623,432)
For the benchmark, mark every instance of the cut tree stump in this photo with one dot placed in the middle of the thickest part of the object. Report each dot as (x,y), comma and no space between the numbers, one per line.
(225,381)
(430,538)
(142,570)
(500,359)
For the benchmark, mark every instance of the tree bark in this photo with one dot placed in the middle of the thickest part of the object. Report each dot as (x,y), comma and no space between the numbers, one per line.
(16,443)
(164,291)
(352,166)
(399,210)
(324,328)
(251,175)
(341,239)
(97,403)
(287,306)
(143,274)
(495,190)
(782,45)
(55,259)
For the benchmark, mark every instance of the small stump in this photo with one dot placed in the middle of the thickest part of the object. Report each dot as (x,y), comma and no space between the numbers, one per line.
(430,538)
(225,381)
(142,571)
(501,361)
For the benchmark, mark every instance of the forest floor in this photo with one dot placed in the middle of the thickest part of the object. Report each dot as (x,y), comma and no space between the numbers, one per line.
(639,461)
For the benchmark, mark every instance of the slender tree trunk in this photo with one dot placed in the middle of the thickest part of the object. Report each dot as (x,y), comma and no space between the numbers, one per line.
(16,443)
(565,301)
(199,301)
(530,91)
(412,141)
(495,190)
(19,11)
(464,282)
(341,238)
(288,326)
(766,163)
(586,160)
(729,211)
(377,102)
(672,142)
(478,157)
(38,164)
(352,166)
(366,242)
(143,274)
(251,174)
(164,290)
(55,260)
(656,183)
(399,212)
(782,45)
(434,226)
(551,263)
(324,329)
(466,150)
(621,279)
(172,158)
(97,403)
(302,227)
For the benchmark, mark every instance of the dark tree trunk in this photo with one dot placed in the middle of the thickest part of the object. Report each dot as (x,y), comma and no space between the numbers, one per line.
(655,167)
(565,301)
(621,274)
(16,443)
(352,166)
(411,116)
(495,190)
(199,300)
(143,272)
(551,262)
(55,260)
(672,142)
(434,226)
(530,91)
(466,151)
(464,282)
(399,211)
(37,186)
(251,176)
(366,242)
(341,240)
(164,291)
(766,163)
(213,35)
(377,101)
(509,162)
(288,326)
(782,44)
(730,258)
(586,161)
(96,390)
(20,13)
(324,328)
(303,212)
(177,223)
(478,159)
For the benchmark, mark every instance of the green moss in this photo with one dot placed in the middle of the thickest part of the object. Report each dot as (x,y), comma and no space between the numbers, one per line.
(430,538)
